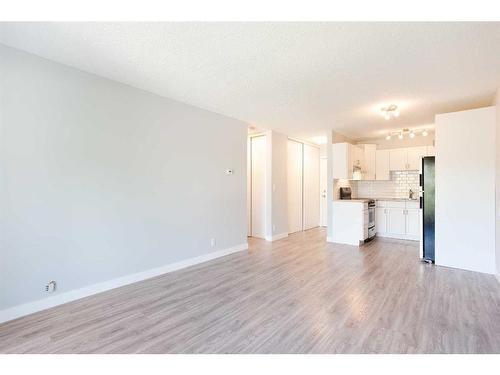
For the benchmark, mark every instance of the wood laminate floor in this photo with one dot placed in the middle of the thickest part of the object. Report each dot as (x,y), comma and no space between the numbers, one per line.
(297,295)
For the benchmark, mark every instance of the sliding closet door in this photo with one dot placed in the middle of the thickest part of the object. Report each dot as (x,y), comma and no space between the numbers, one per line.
(258,185)
(294,182)
(311,187)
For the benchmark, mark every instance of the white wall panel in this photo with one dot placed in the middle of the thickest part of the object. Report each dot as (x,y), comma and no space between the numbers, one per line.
(465,190)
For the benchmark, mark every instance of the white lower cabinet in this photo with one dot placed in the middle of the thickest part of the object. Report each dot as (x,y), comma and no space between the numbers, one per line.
(398,219)
(350,220)
(396,225)
(381,220)
(413,223)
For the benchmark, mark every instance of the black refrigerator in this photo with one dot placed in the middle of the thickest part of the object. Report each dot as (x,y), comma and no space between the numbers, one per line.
(427,204)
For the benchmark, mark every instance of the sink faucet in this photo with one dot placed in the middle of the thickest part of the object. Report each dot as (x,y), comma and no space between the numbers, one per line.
(411,194)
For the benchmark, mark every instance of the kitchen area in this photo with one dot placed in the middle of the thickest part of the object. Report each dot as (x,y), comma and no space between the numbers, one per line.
(378,189)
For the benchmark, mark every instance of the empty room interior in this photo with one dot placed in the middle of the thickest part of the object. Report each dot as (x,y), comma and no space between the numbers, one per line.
(262,187)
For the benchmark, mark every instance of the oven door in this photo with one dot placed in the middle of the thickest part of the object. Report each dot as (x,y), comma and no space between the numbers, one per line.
(371,232)
(371,217)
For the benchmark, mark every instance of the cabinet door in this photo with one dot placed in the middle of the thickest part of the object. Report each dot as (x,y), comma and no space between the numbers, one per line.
(382,169)
(380,220)
(369,159)
(414,159)
(357,156)
(396,222)
(398,159)
(431,151)
(413,223)
(341,161)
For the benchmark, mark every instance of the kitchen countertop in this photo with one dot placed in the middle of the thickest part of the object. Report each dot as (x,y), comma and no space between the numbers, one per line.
(354,200)
(394,199)
(364,200)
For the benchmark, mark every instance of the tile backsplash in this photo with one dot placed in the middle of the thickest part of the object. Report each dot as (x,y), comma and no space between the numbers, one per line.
(398,187)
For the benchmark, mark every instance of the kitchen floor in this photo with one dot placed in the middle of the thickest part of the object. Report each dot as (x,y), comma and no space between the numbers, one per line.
(296,295)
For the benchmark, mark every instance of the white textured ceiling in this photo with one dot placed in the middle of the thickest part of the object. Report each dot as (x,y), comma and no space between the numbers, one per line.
(298,78)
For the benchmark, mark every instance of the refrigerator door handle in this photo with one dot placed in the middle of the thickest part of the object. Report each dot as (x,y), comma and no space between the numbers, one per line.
(421,202)
(421,180)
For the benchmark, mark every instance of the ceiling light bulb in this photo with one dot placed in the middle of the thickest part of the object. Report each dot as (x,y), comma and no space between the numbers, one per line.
(387,116)
(388,137)
(424,133)
(395,113)
(400,136)
(412,135)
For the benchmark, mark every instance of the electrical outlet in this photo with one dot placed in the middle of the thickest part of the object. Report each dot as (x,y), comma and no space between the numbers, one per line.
(212,242)
(50,287)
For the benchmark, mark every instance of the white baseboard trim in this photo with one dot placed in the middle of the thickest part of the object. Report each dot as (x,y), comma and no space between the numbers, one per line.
(277,237)
(72,295)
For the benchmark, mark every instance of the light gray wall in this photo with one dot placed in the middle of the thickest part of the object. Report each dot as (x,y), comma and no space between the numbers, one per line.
(99,180)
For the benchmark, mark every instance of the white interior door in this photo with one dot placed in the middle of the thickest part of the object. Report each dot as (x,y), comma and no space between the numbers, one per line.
(323,178)
(294,182)
(258,184)
(311,187)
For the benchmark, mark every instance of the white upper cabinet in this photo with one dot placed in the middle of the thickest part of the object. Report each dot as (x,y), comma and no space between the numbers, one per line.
(431,151)
(414,157)
(349,160)
(346,159)
(382,168)
(341,161)
(358,155)
(408,159)
(369,162)
(398,159)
